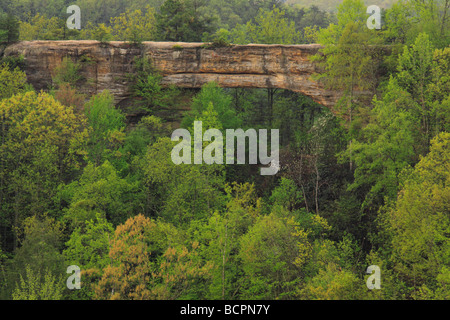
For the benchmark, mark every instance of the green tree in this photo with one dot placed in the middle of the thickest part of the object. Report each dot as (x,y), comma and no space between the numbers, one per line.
(40,27)
(42,145)
(135,144)
(219,239)
(333,283)
(273,252)
(179,193)
(99,190)
(35,288)
(107,125)
(419,221)
(9,28)
(134,26)
(39,251)
(88,248)
(102,33)
(270,27)
(348,59)
(183,20)
(286,195)
(312,20)
(349,63)
(211,93)
(146,87)
(422,71)
(67,72)
(24,9)
(413,107)
(386,146)
(408,18)
(11,81)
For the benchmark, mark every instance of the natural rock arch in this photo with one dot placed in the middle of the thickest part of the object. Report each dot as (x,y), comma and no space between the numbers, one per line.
(187,65)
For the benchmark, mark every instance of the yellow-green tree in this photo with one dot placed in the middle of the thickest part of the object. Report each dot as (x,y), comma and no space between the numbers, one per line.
(40,27)
(32,287)
(420,223)
(273,253)
(334,283)
(88,248)
(219,239)
(270,26)
(107,124)
(11,81)
(180,193)
(148,262)
(9,28)
(99,191)
(41,145)
(134,26)
(37,268)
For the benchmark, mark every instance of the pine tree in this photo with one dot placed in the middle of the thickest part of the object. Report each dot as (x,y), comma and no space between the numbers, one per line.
(9,28)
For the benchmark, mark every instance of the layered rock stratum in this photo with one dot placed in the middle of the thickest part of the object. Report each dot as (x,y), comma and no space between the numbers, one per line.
(187,65)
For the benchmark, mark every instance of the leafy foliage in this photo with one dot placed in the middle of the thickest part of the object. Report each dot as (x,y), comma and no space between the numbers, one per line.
(9,28)
(419,220)
(11,81)
(86,182)
(33,289)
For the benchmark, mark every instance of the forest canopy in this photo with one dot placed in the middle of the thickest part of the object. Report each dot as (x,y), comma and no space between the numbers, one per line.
(87,182)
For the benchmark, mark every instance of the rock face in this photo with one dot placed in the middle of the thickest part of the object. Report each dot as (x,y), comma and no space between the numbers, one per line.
(188,65)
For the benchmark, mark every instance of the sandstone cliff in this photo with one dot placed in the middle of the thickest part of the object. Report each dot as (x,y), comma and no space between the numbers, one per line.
(188,65)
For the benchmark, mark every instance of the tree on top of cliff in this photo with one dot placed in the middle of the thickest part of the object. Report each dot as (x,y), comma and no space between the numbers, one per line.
(270,27)
(183,20)
(9,28)
(134,26)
